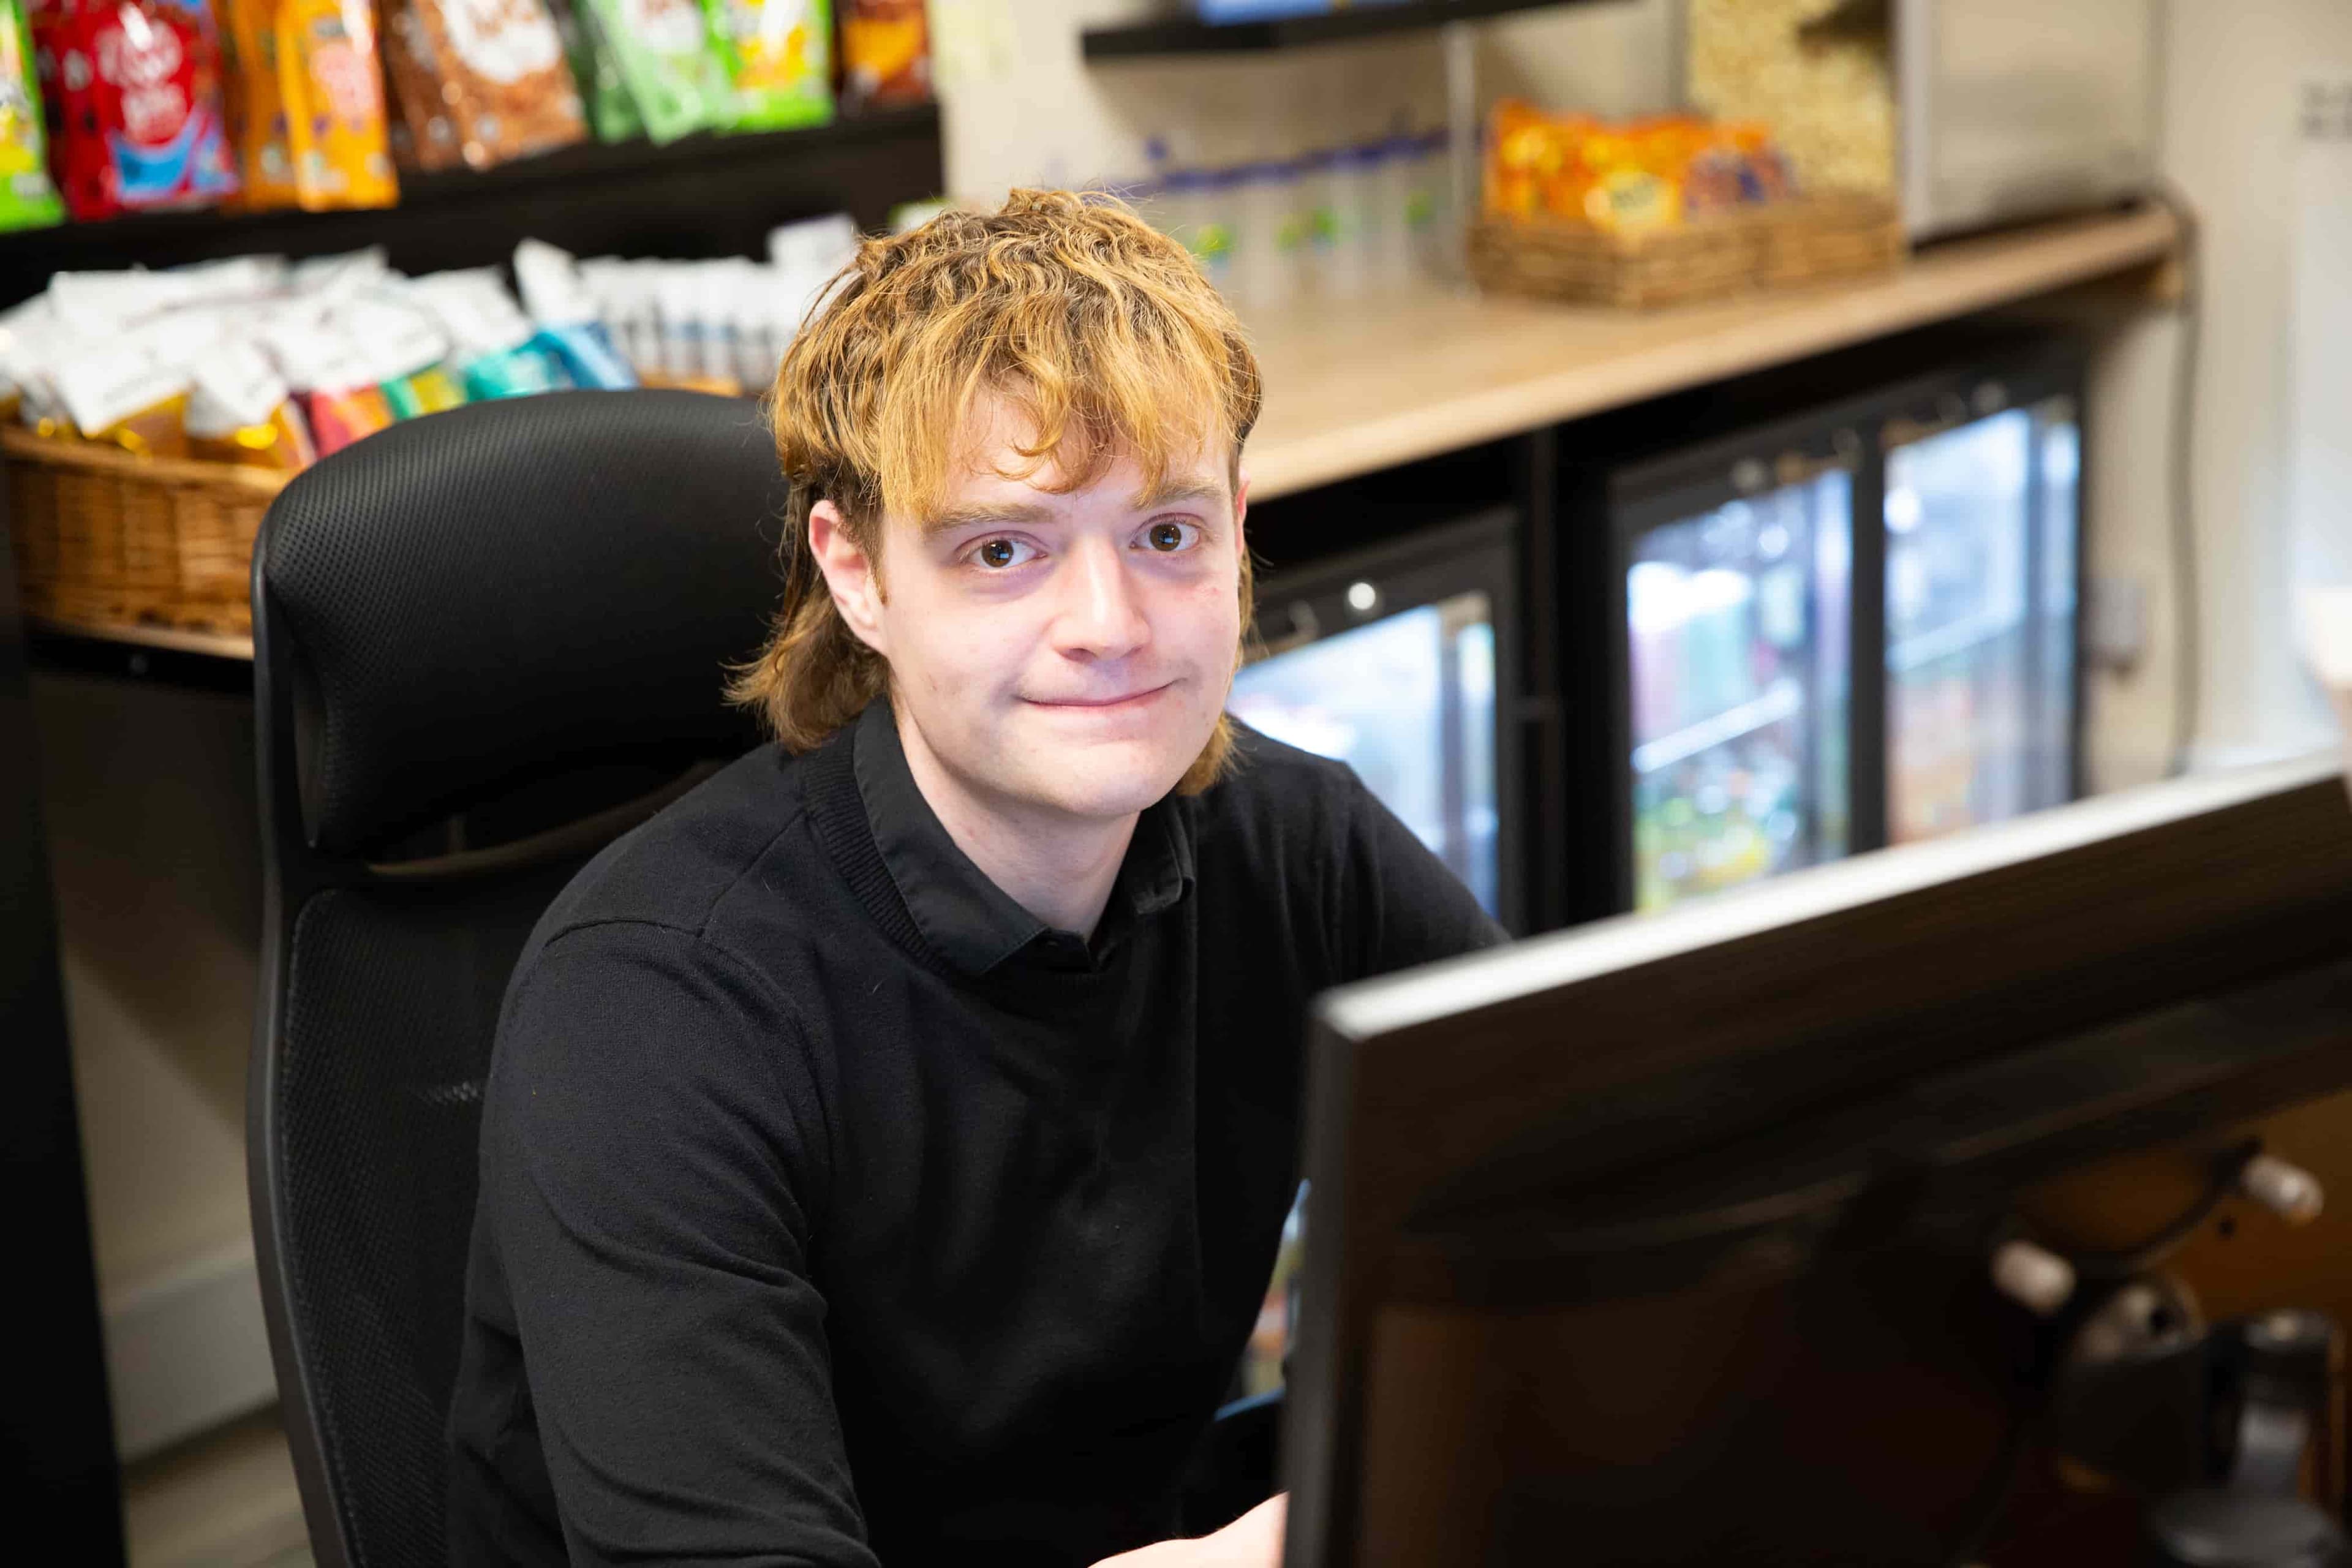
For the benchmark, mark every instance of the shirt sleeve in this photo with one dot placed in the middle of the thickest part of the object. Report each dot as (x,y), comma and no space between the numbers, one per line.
(1403,906)
(653,1149)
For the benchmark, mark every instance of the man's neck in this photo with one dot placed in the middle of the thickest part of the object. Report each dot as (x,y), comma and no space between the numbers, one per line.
(1057,866)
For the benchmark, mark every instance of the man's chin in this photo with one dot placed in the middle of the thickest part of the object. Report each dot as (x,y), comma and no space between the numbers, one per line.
(1106,781)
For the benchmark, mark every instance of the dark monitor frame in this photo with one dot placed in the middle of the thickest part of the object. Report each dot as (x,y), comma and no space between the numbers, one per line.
(1636,1040)
(1476,555)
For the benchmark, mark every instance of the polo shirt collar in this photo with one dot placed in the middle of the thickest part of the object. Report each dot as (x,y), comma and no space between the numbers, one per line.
(965,917)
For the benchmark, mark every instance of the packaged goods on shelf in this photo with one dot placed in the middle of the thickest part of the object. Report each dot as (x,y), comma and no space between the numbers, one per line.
(1627,177)
(332,90)
(259,129)
(885,53)
(477,82)
(28,197)
(668,60)
(132,93)
(1335,221)
(256,361)
(778,55)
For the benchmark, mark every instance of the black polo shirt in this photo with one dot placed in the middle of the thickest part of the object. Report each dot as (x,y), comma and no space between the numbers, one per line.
(833,1209)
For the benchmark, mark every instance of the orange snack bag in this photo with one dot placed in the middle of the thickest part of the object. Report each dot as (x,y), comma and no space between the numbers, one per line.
(256,108)
(334,91)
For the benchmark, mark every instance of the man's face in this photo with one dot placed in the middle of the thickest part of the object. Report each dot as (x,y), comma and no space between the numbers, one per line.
(1064,652)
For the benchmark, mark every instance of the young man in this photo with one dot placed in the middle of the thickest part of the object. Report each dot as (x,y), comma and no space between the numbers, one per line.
(887,1146)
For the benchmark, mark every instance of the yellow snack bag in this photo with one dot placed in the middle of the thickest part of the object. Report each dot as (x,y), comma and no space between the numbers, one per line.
(334,93)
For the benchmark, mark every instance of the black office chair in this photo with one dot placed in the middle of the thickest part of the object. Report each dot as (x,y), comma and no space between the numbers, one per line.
(486,643)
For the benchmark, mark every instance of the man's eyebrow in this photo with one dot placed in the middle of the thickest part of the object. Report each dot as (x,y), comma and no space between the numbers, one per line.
(1176,492)
(986,514)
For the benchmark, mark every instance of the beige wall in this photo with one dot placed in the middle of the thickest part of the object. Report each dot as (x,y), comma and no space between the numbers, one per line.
(148,796)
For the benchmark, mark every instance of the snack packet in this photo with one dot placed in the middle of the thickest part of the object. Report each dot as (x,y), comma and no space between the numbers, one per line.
(333,96)
(779,58)
(240,410)
(558,301)
(885,53)
(329,375)
(27,199)
(403,346)
(478,82)
(665,58)
(612,114)
(256,106)
(490,341)
(116,393)
(132,88)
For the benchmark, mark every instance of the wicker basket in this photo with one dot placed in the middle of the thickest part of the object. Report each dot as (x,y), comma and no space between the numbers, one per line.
(106,538)
(1784,244)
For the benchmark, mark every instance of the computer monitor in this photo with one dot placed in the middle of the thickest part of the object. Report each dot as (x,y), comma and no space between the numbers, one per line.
(1671,1238)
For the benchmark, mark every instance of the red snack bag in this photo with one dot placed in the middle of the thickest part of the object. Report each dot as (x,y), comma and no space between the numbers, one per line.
(134,97)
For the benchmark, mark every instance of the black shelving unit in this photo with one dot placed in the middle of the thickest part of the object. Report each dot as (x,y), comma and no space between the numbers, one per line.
(704,196)
(1365,19)
(57,1475)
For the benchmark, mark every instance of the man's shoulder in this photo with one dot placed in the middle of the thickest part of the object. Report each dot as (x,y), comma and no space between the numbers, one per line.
(677,870)
(1274,788)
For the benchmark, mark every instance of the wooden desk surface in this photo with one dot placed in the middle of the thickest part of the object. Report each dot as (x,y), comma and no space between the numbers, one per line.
(1373,383)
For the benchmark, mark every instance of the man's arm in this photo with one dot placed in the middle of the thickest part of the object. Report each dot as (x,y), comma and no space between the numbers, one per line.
(651,1149)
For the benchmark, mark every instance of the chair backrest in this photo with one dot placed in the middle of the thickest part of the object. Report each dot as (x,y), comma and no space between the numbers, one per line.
(486,642)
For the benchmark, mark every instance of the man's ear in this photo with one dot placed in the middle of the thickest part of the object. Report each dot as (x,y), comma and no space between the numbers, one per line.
(852,575)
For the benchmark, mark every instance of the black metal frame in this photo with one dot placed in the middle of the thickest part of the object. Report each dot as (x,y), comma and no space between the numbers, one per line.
(1480,553)
(56,1437)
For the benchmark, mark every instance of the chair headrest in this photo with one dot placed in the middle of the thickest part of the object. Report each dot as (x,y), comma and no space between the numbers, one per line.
(511,588)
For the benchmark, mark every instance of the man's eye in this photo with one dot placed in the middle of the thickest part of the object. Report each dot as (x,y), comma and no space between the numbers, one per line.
(1168,538)
(998,555)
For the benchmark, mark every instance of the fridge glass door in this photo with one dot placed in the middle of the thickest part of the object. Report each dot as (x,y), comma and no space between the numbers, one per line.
(1980,621)
(1407,700)
(1737,644)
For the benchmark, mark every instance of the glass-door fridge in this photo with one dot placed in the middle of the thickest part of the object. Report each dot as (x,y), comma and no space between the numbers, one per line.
(1846,629)
(1389,660)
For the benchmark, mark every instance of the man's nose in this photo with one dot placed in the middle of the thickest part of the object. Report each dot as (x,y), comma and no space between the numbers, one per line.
(1102,616)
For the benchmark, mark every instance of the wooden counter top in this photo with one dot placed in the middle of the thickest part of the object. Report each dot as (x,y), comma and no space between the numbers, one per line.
(1351,388)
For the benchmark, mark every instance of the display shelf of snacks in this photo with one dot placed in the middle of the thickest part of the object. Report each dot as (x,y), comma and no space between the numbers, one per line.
(1228,26)
(167,132)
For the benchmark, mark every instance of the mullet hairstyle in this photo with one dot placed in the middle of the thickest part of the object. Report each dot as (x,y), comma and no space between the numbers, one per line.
(1098,330)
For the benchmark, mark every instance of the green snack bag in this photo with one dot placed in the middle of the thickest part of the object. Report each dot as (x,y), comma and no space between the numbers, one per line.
(663,50)
(612,114)
(28,198)
(779,55)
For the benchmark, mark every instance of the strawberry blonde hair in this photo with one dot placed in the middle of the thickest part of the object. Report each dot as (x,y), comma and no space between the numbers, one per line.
(1096,329)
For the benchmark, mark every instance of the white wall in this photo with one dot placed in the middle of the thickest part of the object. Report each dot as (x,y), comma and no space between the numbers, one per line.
(2234,75)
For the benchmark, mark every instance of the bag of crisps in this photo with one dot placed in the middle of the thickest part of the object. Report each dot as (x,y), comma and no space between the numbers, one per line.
(333,94)
(256,108)
(478,82)
(132,88)
(779,56)
(27,199)
(885,53)
(665,57)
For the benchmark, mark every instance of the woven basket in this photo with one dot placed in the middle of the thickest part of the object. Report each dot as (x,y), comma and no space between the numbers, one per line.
(1784,244)
(106,538)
